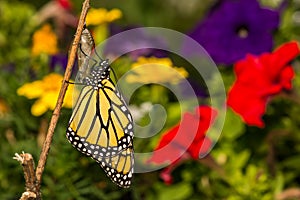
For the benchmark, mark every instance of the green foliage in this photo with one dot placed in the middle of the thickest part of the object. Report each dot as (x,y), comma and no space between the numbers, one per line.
(249,163)
(17,23)
(182,191)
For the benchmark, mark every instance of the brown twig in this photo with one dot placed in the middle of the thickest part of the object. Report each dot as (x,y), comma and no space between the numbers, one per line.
(271,139)
(64,87)
(291,193)
(291,95)
(27,163)
(210,162)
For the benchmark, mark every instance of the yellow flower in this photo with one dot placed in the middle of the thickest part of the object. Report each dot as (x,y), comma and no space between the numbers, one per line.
(44,41)
(4,109)
(156,70)
(46,90)
(101,16)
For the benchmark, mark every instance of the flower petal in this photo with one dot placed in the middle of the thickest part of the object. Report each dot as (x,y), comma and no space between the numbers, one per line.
(188,136)
(234,28)
(257,79)
(38,108)
(31,90)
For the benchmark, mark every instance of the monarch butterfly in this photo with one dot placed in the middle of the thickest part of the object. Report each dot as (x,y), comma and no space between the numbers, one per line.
(101,125)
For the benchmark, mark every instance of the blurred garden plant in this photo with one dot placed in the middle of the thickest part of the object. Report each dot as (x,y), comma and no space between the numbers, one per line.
(46,91)
(234,28)
(180,144)
(260,78)
(100,19)
(45,41)
(255,45)
(145,71)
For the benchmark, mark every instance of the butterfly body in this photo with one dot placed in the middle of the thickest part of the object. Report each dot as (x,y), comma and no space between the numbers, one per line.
(101,125)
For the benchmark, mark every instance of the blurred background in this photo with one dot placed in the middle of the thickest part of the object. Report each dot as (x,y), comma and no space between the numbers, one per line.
(255,158)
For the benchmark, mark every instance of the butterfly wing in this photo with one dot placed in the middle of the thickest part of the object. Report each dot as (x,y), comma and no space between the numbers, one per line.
(119,123)
(119,168)
(101,123)
(101,126)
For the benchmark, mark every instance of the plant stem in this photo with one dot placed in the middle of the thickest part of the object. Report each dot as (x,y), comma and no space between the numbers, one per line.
(64,87)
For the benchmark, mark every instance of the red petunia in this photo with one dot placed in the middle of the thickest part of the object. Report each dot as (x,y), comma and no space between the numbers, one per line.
(66,4)
(185,140)
(258,79)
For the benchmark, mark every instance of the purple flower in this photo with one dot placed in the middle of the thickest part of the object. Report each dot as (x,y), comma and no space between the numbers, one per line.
(60,60)
(234,28)
(198,89)
(137,44)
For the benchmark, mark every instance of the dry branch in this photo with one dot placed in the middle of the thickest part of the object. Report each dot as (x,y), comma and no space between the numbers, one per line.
(27,162)
(64,87)
(33,180)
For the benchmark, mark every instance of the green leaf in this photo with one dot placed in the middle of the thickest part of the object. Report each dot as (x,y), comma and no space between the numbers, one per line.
(233,126)
(176,192)
(240,160)
(292,162)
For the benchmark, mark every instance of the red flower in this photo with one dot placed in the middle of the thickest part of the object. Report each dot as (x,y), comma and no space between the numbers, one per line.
(66,4)
(259,78)
(185,140)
